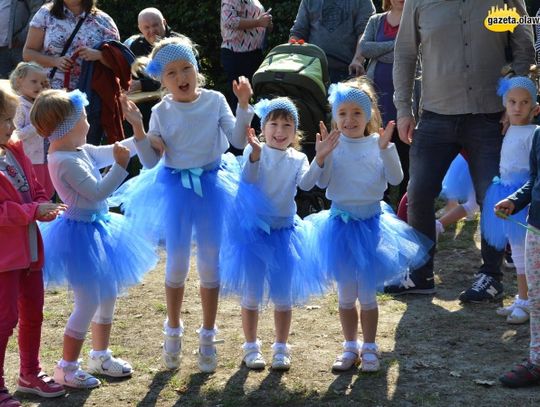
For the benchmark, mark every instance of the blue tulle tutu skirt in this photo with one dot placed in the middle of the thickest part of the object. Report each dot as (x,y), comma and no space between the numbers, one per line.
(161,200)
(371,248)
(100,254)
(498,232)
(457,183)
(270,264)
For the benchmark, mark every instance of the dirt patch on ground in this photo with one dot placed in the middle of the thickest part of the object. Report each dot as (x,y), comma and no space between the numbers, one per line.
(436,352)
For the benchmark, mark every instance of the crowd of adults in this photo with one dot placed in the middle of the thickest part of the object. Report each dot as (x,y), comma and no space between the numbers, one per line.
(460,64)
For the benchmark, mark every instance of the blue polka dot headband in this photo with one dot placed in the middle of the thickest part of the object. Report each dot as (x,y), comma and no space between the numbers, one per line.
(264,107)
(340,93)
(523,82)
(170,53)
(79,101)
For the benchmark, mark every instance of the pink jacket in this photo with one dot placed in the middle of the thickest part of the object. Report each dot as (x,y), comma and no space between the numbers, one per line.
(15,216)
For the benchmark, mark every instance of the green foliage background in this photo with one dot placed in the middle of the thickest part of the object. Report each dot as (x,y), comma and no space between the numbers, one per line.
(199,20)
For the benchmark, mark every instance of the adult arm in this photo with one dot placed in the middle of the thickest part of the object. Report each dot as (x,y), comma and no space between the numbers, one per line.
(405,57)
(521,42)
(368,46)
(33,48)
(230,17)
(367,9)
(300,28)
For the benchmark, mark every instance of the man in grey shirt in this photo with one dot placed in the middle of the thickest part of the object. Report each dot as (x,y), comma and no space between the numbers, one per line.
(461,66)
(335,26)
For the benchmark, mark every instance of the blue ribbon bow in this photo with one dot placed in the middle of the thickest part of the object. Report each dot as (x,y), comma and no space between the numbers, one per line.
(191,178)
(100,217)
(344,215)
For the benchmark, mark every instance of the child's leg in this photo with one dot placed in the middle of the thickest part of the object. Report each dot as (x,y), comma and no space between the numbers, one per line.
(369,318)
(9,292)
(250,321)
(102,324)
(31,298)
(348,315)
(101,360)
(282,323)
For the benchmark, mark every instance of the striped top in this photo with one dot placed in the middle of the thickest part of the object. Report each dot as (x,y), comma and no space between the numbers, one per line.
(235,39)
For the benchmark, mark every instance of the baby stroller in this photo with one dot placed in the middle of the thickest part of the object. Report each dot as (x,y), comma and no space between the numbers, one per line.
(299,71)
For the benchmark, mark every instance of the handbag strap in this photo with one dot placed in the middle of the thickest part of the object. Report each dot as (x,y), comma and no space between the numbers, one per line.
(68,42)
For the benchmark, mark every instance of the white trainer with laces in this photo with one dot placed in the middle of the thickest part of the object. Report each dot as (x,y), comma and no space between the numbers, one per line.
(108,365)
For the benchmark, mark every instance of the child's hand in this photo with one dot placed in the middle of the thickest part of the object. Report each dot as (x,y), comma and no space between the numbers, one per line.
(325,143)
(121,155)
(157,143)
(506,207)
(49,211)
(386,135)
(242,90)
(255,145)
(131,112)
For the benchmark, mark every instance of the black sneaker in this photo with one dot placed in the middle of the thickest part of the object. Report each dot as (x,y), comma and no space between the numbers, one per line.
(412,285)
(484,289)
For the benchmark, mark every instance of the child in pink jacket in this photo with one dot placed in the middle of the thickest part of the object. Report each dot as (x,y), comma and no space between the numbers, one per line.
(22,203)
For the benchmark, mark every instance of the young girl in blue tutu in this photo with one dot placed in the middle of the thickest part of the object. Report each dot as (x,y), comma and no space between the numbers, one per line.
(191,188)
(519,98)
(272,261)
(360,242)
(93,251)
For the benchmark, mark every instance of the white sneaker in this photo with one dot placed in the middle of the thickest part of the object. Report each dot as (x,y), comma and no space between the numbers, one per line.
(107,365)
(370,358)
(172,348)
(253,358)
(74,376)
(281,359)
(208,362)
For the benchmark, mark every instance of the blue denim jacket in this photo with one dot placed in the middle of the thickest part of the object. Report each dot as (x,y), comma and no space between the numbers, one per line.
(530,192)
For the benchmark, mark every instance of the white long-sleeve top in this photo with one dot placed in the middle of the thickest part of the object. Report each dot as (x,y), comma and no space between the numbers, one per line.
(33,143)
(76,177)
(515,151)
(358,172)
(278,173)
(196,133)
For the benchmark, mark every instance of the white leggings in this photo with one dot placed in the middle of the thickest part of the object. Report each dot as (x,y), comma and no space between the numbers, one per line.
(518,255)
(178,246)
(349,293)
(88,309)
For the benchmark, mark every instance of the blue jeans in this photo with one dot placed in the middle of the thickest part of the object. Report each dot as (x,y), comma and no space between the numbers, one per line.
(437,140)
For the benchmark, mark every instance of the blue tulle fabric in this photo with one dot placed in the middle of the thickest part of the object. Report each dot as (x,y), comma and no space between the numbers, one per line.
(102,255)
(369,252)
(270,263)
(161,200)
(498,232)
(457,183)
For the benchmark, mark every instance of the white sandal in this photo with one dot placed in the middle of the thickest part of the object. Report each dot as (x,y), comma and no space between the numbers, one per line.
(281,359)
(115,367)
(346,360)
(208,363)
(172,359)
(370,358)
(253,358)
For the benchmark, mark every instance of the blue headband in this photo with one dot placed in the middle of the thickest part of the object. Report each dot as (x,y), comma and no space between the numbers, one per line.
(79,101)
(506,84)
(265,106)
(340,93)
(170,53)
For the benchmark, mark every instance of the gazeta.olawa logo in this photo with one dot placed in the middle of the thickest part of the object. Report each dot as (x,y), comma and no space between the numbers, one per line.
(507,19)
